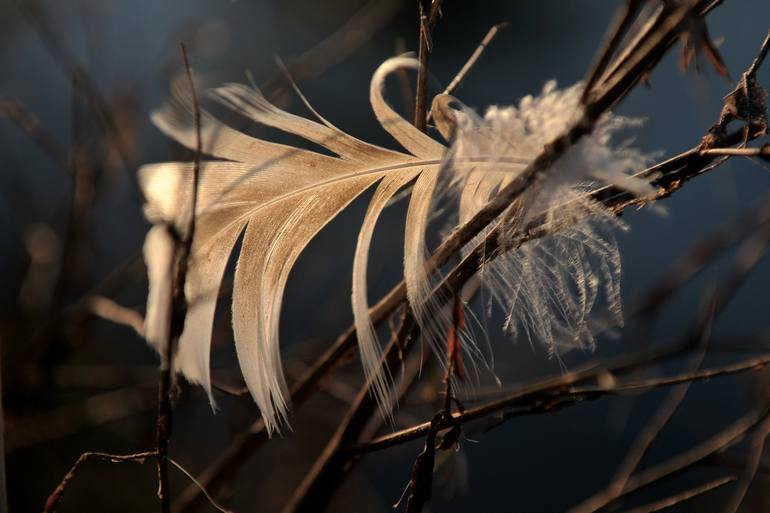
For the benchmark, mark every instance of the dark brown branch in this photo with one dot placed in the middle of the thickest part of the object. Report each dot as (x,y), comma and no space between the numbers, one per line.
(543,396)
(178,311)
(55,498)
(3,452)
(676,171)
(617,30)
(67,63)
(429,11)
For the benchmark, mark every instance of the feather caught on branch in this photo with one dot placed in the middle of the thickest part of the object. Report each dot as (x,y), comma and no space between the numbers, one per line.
(278,197)
(547,287)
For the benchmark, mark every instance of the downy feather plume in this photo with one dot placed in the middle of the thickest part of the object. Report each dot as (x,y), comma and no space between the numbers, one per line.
(548,286)
(278,197)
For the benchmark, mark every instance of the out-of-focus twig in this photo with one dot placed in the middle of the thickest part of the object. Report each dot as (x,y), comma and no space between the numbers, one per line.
(109,310)
(681,497)
(36,131)
(66,61)
(745,261)
(757,446)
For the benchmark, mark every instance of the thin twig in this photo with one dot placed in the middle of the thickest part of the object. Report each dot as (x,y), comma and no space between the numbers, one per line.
(55,498)
(428,10)
(544,395)
(726,438)
(760,58)
(617,30)
(200,487)
(67,63)
(34,129)
(681,497)
(761,152)
(109,310)
(758,441)
(477,53)
(178,310)
(748,257)
(675,171)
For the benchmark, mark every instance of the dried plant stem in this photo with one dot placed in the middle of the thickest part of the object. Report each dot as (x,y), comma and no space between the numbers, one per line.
(477,53)
(760,58)
(429,10)
(543,391)
(683,496)
(546,395)
(178,312)
(726,438)
(762,152)
(758,442)
(55,498)
(67,63)
(615,34)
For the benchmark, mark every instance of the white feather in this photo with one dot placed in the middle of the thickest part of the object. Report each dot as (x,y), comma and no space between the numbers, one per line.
(278,197)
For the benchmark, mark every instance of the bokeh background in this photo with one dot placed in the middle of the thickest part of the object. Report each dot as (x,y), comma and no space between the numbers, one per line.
(74,382)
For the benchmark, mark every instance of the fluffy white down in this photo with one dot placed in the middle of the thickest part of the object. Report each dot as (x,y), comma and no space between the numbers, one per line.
(548,286)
